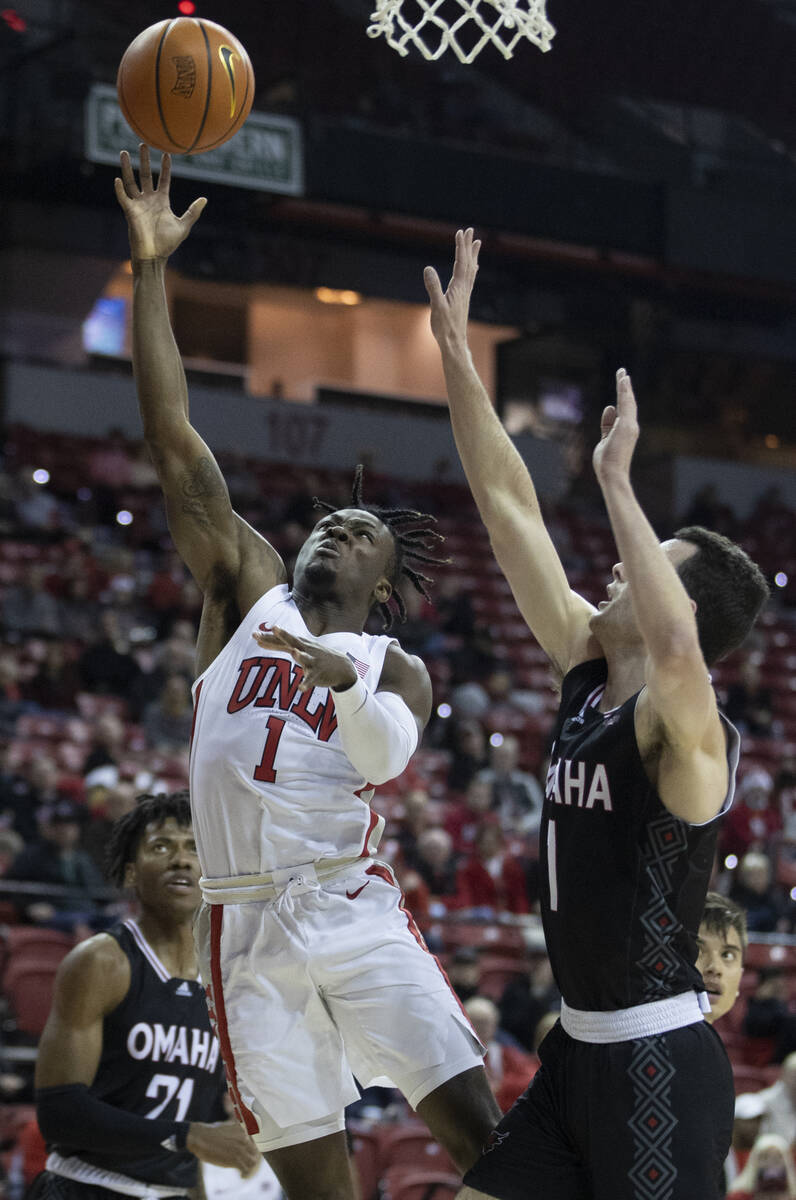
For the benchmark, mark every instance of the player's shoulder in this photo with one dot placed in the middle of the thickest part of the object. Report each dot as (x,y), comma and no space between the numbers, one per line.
(99,961)
(399,664)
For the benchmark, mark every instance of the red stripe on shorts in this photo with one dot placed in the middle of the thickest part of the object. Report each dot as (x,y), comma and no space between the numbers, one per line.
(384,873)
(374,820)
(219,1015)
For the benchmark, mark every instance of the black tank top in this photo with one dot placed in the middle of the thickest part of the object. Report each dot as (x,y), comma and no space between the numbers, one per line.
(160,1058)
(623,880)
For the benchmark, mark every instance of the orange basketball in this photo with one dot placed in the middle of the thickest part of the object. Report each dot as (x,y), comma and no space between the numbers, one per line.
(185,85)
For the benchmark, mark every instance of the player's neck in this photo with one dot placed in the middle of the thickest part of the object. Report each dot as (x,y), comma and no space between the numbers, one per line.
(172,941)
(626,674)
(329,615)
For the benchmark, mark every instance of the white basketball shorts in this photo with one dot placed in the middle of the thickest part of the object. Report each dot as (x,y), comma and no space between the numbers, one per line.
(326,982)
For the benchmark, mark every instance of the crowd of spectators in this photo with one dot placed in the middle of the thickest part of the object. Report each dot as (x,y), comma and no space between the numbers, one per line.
(98,620)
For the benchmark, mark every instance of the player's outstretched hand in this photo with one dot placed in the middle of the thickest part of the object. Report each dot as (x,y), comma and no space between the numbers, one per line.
(322,667)
(450,310)
(155,231)
(619,430)
(225,1144)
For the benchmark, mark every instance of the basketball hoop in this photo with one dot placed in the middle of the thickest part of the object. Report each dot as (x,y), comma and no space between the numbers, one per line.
(466,26)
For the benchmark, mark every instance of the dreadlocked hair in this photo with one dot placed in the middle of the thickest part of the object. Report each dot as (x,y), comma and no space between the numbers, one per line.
(414,541)
(126,833)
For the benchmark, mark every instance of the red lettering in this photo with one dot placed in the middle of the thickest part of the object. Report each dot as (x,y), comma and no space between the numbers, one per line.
(313,719)
(237,700)
(285,681)
(265,772)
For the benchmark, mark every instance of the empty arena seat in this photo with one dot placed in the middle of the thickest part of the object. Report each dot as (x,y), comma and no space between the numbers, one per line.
(366,1154)
(420,1185)
(412,1144)
(770,954)
(28,984)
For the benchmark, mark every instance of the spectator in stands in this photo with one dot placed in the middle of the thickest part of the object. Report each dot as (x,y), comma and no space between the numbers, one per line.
(754,890)
(57,858)
(16,809)
(11,703)
(769,1017)
(707,509)
(785,795)
(516,795)
(753,818)
(117,802)
(464,972)
(56,682)
(749,705)
(107,666)
(779,1102)
(435,863)
(80,611)
(769,1173)
(415,815)
(33,787)
(167,720)
(508,1069)
(165,591)
(40,514)
(492,879)
(11,846)
(543,1026)
(28,607)
(107,742)
(469,754)
(463,817)
(527,998)
(722,942)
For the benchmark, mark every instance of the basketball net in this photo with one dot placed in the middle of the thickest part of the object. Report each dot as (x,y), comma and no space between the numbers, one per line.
(501,22)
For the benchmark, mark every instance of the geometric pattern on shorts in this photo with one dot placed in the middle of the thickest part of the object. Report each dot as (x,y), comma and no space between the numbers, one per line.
(665,842)
(653,1172)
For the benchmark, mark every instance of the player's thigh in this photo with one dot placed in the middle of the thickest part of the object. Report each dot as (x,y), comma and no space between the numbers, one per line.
(315,1170)
(461,1114)
(666,1128)
(528,1156)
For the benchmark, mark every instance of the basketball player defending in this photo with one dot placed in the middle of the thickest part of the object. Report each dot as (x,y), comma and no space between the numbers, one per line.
(128,1077)
(316,972)
(634,1098)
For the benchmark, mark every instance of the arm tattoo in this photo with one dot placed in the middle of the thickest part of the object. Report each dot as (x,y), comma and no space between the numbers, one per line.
(202,482)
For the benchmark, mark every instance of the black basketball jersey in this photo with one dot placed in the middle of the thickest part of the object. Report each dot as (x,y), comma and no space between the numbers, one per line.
(160,1058)
(623,880)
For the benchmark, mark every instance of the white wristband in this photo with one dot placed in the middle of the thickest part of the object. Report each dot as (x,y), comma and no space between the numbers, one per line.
(377,729)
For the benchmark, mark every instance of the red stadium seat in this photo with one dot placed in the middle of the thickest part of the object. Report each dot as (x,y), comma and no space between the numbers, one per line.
(770,954)
(29,987)
(366,1153)
(420,1185)
(413,1145)
(497,972)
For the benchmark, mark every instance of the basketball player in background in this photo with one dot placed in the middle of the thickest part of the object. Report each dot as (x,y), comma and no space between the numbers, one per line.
(634,1097)
(722,942)
(316,972)
(129,1083)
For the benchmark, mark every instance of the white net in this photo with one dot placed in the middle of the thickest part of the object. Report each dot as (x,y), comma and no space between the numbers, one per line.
(463,26)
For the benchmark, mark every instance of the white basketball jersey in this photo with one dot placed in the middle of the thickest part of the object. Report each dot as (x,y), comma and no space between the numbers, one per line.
(271,786)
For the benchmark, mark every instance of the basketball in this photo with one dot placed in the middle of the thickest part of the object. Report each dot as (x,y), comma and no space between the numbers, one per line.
(185,85)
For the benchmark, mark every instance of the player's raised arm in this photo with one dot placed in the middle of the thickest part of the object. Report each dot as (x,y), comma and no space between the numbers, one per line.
(212,540)
(499,479)
(677,709)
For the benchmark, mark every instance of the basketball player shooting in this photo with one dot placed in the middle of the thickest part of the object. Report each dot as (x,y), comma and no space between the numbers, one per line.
(316,973)
(634,1098)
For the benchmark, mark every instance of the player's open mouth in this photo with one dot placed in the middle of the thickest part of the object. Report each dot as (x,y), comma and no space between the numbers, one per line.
(180,883)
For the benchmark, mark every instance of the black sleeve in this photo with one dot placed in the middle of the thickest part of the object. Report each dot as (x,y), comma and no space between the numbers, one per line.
(71,1114)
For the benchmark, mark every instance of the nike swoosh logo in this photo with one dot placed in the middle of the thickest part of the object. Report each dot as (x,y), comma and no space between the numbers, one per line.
(353,895)
(227,55)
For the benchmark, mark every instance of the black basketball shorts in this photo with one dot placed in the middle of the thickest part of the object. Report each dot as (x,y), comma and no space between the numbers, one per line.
(635,1120)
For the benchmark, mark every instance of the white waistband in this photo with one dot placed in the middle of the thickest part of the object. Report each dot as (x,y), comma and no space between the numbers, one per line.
(242,889)
(643,1020)
(82,1172)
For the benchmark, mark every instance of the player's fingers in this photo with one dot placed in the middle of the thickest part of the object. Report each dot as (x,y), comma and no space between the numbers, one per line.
(608,419)
(433,285)
(164,174)
(128,175)
(145,170)
(193,212)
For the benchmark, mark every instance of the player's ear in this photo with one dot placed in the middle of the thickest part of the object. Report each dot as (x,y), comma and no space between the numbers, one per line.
(382,591)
